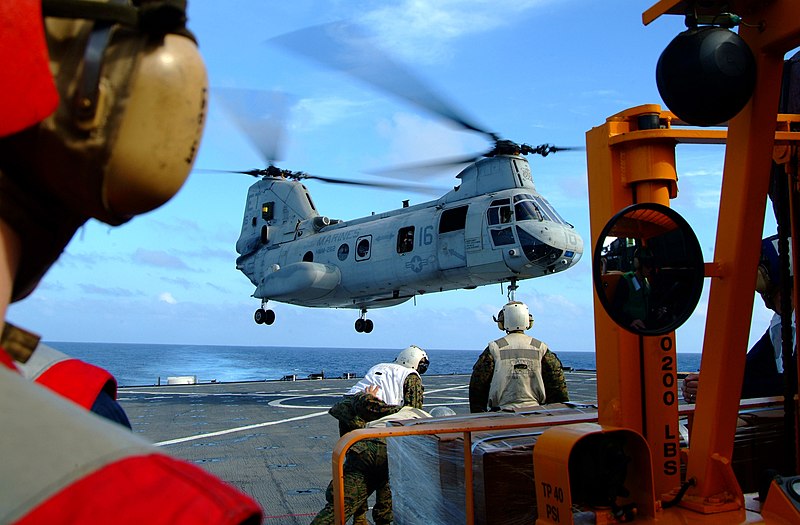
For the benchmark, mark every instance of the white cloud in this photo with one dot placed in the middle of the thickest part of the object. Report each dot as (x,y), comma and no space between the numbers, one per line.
(312,113)
(167,297)
(421,30)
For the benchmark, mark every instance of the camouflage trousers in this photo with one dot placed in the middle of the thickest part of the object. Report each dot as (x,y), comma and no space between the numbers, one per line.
(366,470)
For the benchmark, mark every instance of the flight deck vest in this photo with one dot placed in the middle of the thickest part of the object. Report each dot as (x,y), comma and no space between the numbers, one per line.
(517,381)
(62,464)
(72,378)
(391,377)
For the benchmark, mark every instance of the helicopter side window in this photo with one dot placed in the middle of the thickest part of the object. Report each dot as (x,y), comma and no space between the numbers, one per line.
(494,216)
(405,239)
(363,247)
(500,215)
(268,211)
(308,257)
(527,210)
(502,236)
(343,252)
(453,219)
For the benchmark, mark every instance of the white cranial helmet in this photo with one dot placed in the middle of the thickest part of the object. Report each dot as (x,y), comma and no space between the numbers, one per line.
(442,411)
(413,357)
(514,317)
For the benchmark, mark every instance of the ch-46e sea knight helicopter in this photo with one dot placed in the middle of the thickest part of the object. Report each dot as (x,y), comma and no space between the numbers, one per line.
(492,227)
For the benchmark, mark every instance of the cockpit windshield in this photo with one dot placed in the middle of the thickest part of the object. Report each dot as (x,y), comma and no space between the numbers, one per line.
(527,210)
(550,211)
(536,207)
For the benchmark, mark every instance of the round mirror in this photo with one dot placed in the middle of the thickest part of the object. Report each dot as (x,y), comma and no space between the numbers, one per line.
(648,269)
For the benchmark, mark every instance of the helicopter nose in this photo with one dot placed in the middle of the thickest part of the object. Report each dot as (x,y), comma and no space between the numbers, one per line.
(550,249)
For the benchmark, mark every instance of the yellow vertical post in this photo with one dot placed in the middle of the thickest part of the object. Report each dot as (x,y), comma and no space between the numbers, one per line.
(632,160)
(617,357)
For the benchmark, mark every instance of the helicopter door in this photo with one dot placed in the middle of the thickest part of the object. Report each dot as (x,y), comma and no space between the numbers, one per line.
(451,248)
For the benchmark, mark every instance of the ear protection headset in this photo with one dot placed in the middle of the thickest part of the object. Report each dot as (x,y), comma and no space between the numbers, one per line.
(132,103)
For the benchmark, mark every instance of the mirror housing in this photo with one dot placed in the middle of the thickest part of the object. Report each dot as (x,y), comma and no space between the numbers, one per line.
(648,269)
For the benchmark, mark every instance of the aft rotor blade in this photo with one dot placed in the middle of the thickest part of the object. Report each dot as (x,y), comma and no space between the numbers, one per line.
(252,172)
(421,169)
(345,48)
(378,184)
(260,115)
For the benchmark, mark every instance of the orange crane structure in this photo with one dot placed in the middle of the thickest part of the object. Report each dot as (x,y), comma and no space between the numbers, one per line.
(631,451)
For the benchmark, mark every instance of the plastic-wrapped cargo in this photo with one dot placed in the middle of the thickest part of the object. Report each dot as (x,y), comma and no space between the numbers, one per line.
(427,471)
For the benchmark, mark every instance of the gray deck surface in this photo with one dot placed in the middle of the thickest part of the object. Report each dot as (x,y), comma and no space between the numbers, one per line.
(273,439)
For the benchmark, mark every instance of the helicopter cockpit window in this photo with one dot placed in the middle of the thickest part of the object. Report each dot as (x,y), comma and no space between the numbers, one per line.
(502,236)
(363,245)
(268,211)
(527,210)
(405,239)
(549,212)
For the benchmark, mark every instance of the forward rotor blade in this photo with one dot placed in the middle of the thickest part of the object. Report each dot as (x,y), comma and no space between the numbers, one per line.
(260,116)
(345,48)
(300,175)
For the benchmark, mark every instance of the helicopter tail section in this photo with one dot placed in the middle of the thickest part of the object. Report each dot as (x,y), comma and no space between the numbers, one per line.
(274,209)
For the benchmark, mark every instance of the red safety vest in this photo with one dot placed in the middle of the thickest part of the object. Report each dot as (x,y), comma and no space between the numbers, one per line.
(62,465)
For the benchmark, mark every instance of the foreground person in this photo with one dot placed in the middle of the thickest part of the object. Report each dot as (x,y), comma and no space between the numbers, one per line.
(101,110)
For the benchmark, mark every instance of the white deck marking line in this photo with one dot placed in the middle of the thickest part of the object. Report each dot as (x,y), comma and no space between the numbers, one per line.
(237,429)
(460,387)
(258,425)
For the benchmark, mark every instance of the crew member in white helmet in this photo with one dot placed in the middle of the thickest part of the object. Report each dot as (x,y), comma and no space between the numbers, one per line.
(391,386)
(516,371)
(400,385)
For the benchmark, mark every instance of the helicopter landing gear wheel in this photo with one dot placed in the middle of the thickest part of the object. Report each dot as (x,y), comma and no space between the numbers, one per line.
(264,316)
(364,325)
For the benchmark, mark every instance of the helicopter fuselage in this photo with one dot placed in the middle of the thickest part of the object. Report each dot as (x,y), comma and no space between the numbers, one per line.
(493,227)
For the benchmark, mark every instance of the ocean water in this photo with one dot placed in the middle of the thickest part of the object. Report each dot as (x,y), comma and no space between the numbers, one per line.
(149,364)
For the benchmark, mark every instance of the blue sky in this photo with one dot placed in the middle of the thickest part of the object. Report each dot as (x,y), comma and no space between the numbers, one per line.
(534,71)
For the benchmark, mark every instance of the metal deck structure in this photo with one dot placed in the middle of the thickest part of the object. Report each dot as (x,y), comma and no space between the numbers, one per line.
(273,439)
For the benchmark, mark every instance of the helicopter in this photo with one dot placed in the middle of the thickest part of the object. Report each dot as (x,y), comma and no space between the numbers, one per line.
(493,227)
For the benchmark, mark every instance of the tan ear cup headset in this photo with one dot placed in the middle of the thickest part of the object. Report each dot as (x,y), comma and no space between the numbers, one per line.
(133,98)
